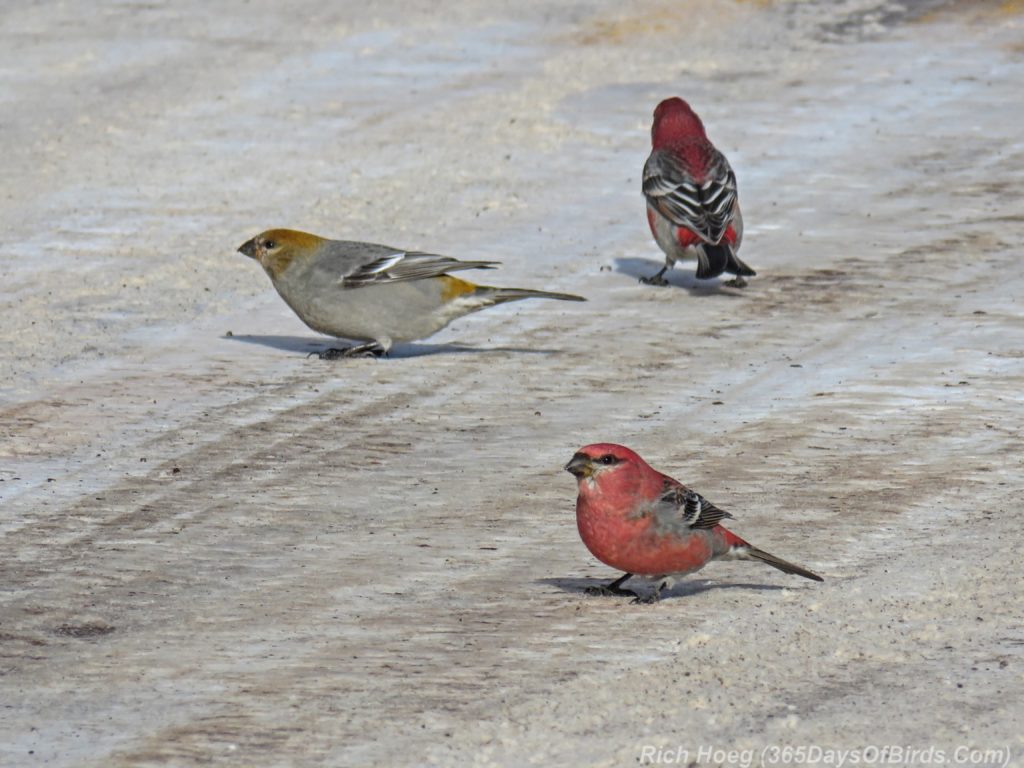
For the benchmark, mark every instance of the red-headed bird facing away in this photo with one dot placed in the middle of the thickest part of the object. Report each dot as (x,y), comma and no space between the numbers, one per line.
(692,206)
(645,523)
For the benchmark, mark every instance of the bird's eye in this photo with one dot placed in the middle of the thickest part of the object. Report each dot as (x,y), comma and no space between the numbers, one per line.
(608,459)
(269,245)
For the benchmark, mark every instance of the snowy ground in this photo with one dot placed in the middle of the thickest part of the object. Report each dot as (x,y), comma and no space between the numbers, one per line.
(217,551)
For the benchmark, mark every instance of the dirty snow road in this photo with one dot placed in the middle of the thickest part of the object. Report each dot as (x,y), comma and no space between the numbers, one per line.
(217,551)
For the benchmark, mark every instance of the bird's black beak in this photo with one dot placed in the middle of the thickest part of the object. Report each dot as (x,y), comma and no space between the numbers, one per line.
(580,466)
(248,248)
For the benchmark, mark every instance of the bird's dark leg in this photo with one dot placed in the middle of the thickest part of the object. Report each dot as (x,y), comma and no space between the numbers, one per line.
(737,282)
(615,588)
(651,598)
(371,349)
(658,279)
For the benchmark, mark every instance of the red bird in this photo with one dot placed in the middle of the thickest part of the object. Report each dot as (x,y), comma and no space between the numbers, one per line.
(638,520)
(691,197)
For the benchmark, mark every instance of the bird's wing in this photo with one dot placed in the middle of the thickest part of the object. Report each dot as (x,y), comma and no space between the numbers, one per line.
(393,266)
(688,507)
(705,208)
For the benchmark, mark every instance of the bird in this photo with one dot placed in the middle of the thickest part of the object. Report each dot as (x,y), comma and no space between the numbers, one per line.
(692,205)
(638,520)
(373,294)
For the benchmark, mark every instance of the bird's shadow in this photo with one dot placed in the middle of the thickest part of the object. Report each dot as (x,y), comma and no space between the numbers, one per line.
(681,589)
(308,345)
(678,277)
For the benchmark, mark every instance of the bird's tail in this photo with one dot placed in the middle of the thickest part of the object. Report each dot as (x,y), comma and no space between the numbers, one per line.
(783,565)
(740,549)
(501,295)
(713,260)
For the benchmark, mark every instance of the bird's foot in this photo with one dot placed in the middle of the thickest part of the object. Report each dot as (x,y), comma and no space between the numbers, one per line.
(607,590)
(654,280)
(658,278)
(737,282)
(614,588)
(650,599)
(359,350)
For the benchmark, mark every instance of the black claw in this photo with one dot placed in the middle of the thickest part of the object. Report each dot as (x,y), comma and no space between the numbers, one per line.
(646,599)
(360,350)
(657,278)
(614,588)
(737,282)
(651,598)
(654,279)
(607,591)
